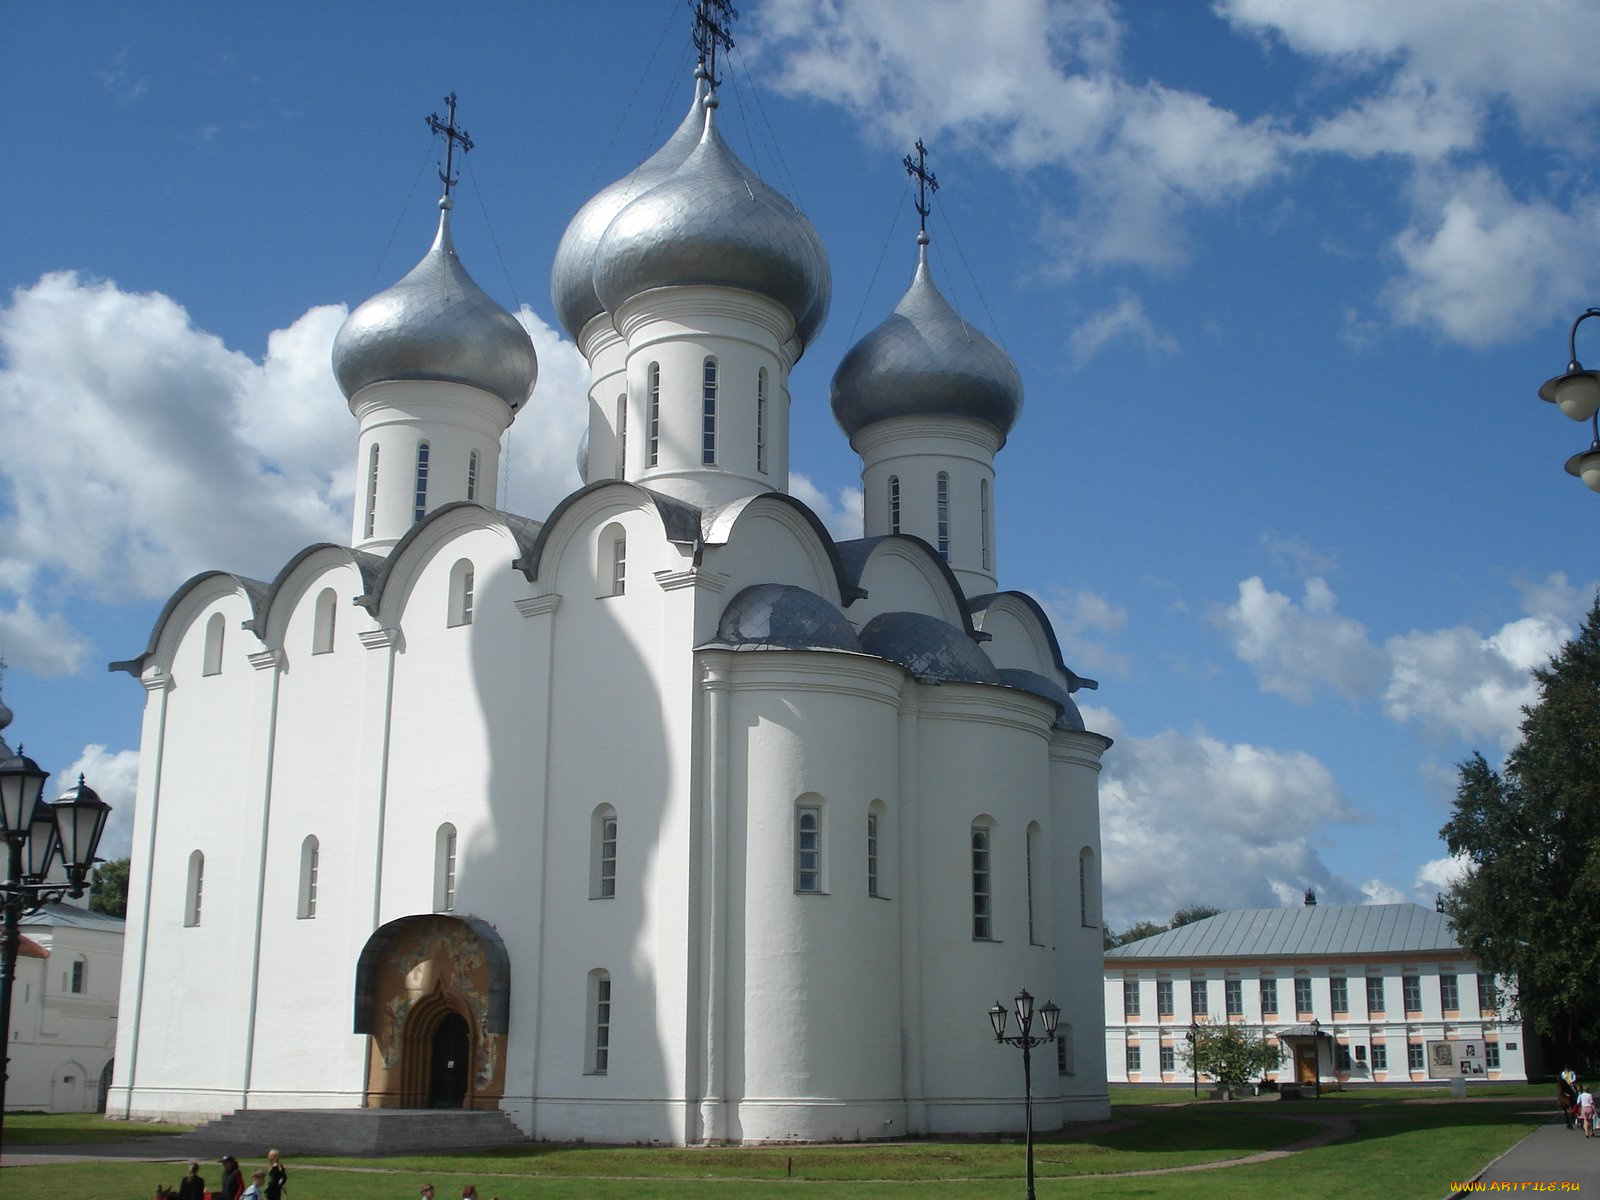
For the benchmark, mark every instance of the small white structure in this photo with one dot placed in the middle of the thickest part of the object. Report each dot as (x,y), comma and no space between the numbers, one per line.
(667,816)
(1353,994)
(64,1010)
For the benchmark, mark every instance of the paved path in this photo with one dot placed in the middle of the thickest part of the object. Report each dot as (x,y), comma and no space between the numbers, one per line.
(1551,1155)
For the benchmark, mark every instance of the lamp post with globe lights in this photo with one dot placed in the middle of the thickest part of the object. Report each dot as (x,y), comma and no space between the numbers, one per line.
(1025,1039)
(1576,392)
(50,849)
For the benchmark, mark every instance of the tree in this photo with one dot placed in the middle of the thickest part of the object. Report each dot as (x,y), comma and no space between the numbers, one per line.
(1530,834)
(1195,912)
(108,892)
(1230,1054)
(1139,929)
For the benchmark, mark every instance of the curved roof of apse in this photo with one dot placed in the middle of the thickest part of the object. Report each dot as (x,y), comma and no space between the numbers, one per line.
(931,649)
(254,591)
(1049,689)
(778,616)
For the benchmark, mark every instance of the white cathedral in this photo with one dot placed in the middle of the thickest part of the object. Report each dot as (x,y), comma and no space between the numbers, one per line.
(665,817)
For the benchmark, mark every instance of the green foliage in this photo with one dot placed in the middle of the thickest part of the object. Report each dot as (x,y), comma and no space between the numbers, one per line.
(1531,836)
(1195,912)
(108,891)
(1139,929)
(1231,1054)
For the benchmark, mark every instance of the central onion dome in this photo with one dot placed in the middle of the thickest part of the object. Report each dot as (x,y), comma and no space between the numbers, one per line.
(926,361)
(572,273)
(436,324)
(712,221)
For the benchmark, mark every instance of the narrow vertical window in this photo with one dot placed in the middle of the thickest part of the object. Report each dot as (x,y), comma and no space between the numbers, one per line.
(1374,994)
(653,383)
(622,436)
(80,969)
(444,869)
(472,476)
(611,561)
(194,892)
(943,496)
(322,621)
(1233,997)
(419,504)
(1339,994)
(1302,996)
(708,413)
(872,853)
(808,848)
(461,593)
(982,885)
(894,504)
(372,490)
(212,661)
(1449,992)
(603,854)
(599,1039)
(1032,851)
(1088,890)
(983,521)
(1269,997)
(1197,998)
(761,420)
(310,865)
(1130,997)
(1065,1059)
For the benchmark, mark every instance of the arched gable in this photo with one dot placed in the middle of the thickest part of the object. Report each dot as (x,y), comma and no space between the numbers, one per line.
(902,573)
(775,538)
(400,570)
(296,578)
(191,598)
(680,523)
(1023,637)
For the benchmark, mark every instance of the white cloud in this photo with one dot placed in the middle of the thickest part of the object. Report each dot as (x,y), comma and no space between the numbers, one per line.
(1124,320)
(1084,620)
(841,517)
(1376,891)
(542,444)
(1440,874)
(1295,649)
(43,643)
(114,777)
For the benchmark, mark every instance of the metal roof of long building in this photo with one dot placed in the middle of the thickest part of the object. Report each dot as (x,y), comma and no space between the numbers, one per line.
(1306,931)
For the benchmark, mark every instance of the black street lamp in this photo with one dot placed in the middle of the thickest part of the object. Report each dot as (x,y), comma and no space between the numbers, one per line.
(1193,1038)
(1024,1038)
(1576,392)
(50,849)
(1316,1051)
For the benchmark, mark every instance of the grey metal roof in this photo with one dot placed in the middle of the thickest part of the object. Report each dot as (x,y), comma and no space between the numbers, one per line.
(781,616)
(931,649)
(1305,931)
(436,324)
(77,918)
(1041,685)
(925,360)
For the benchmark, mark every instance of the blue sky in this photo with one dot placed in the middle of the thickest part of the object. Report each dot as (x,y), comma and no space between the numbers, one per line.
(1281,279)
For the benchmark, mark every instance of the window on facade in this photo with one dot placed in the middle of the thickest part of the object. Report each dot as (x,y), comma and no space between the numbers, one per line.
(1341,1057)
(1163,997)
(942,490)
(894,504)
(1491,1055)
(808,848)
(621,471)
(211,661)
(599,1039)
(1133,1058)
(1233,997)
(1269,997)
(1197,997)
(1374,994)
(195,890)
(461,593)
(1088,890)
(472,476)
(603,853)
(419,502)
(372,491)
(1414,1059)
(1064,1061)
(708,413)
(982,884)
(79,968)
(310,865)
(1380,1057)
(1449,993)
(444,869)
(1032,857)
(1339,994)
(1488,994)
(872,852)
(322,621)
(1169,1060)
(1130,997)
(612,567)
(983,521)
(653,398)
(761,420)
(1302,995)
(1411,990)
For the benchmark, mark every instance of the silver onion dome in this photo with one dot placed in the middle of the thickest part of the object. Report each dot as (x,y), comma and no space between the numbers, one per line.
(926,361)
(713,221)
(436,324)
(572,273)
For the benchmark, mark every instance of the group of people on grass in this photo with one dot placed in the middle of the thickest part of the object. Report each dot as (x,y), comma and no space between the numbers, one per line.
(1577,1103)
(269,1183)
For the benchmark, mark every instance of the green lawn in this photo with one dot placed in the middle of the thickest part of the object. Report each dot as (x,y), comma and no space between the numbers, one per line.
(73,1129)
(1398,1150)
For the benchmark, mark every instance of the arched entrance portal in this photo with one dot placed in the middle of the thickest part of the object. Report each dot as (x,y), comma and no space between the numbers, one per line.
(433,992)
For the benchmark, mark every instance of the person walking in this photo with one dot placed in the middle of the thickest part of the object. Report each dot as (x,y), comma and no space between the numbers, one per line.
(232,1186)
(1567,1097)
(1586,1110)
(192,1186)
(277,1176)
(253,1192)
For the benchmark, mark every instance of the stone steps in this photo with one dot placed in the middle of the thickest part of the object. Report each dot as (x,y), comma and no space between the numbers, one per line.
(354,1131)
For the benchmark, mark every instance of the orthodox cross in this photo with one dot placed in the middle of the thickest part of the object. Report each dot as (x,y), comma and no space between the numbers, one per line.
(711,21)
(452,135)
(927,182)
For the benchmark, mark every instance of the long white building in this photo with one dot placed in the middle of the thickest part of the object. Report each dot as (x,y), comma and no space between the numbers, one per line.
(1351,993)
(661,816)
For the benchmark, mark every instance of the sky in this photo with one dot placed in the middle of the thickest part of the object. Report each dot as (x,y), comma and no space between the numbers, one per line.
(1282,281)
